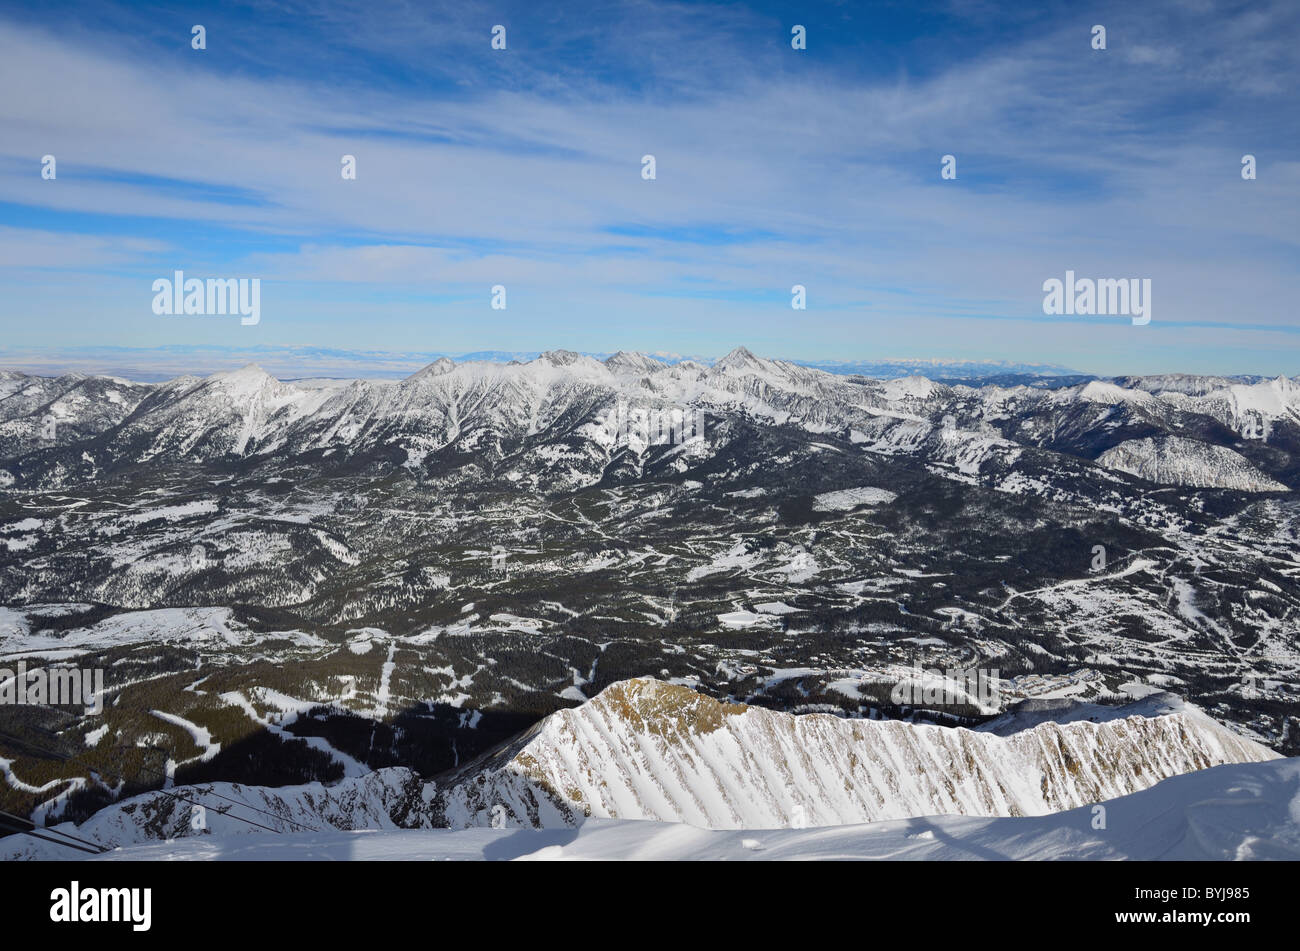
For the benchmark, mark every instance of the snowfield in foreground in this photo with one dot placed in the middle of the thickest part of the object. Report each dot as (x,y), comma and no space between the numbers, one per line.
(1235,812)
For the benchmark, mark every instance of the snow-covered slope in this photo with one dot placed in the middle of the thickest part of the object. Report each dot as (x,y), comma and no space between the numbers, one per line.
(393,798)
(1030,713)
(545,415)
(1227,813)
(1172,460)
(44,411)
(643,749)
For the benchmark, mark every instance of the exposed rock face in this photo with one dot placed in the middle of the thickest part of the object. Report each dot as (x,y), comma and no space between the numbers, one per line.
(643,749)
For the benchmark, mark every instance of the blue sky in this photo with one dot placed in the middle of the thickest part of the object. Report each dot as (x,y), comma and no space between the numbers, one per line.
(775,167)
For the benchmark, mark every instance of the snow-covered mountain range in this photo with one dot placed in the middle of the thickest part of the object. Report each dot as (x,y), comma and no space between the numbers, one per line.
(1170,429)
(648,750)
(296,582)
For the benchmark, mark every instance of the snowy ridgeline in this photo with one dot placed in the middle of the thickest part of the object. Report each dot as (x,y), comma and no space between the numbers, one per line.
(1227,813)
(56,425)
(643,749)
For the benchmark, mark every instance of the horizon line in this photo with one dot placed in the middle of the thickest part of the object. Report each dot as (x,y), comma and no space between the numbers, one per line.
(345,363)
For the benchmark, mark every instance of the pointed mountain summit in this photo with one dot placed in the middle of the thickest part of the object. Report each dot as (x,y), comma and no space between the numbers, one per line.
(740,359)
(438,367)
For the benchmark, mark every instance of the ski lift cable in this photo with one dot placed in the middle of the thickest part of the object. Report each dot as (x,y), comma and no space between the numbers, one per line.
(237,802)
(36,830)
(39,834)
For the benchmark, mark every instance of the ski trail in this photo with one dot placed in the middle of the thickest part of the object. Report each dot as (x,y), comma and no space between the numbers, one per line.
(1138,564)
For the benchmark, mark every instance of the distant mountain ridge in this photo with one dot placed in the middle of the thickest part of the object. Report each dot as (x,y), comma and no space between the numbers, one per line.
(156,364)
(1172,429)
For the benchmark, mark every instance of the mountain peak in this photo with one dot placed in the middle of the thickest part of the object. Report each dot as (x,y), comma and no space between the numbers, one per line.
(737,359)
(248,369)
(649,700)
(249,376)
(634,362)
(437,368)
(560,358)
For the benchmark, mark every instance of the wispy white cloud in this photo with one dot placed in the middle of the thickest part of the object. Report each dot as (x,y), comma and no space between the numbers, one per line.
(530,175)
